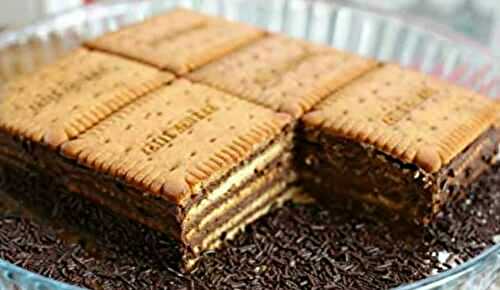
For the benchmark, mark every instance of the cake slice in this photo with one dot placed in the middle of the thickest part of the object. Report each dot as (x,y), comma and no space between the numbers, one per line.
(179,40)
(282,73)
(398,139)
(185,159)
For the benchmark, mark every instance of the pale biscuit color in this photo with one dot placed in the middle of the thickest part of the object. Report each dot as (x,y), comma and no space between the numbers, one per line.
(284,74)
(241,218)
(179,40)
(66,98)
(176,140)
(236,179)
(236,226)
(229,202)
(412,117)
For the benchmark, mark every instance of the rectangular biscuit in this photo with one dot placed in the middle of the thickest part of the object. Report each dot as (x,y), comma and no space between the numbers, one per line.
(184,159)
(399,139)
(64,99)
(179,41)
(282,73)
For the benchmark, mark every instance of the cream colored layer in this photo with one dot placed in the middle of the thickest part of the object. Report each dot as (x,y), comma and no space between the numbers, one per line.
(234,201)
(238,178)
(289,194)
(239,217)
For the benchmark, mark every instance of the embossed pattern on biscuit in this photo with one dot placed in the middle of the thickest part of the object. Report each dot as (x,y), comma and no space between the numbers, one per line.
(408,115)
(179,40)
(284,74)
(177,139)
(64,99)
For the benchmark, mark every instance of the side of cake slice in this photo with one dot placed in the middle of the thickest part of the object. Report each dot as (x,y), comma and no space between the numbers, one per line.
(398,139)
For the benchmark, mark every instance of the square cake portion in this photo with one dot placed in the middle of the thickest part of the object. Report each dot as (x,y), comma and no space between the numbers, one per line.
(64,99)
(398,139)
(282,73)
(179,40)
(185,159)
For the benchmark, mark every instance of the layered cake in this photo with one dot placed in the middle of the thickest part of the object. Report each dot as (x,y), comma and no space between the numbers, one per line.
(195,127)
(179,157)
(295,247)
(180,40)
(284,74)
(185,159)
(398,139)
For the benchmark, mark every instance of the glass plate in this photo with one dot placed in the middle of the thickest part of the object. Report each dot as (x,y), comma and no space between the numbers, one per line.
(377,34)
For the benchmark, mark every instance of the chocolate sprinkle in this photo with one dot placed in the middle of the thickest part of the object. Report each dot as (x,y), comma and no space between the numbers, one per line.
(65,237)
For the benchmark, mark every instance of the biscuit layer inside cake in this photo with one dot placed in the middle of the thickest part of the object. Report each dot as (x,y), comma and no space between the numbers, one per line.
(261,178)
(239,177)
(222,210)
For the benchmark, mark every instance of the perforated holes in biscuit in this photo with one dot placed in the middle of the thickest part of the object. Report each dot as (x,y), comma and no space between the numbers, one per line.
(175,166)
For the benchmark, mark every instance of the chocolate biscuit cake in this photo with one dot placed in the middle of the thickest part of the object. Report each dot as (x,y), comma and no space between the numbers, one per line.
(195,126)
(188,160)
(182,158)
(284,74)
(179,41)
(398,139)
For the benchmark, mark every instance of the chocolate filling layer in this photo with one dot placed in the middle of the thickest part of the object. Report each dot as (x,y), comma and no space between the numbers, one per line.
(266,204)
(192,218)
(258,187)
(85,184)
(286,139)
(338,168)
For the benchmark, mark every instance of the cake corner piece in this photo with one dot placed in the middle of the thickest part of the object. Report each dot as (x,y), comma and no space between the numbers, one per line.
(409,145)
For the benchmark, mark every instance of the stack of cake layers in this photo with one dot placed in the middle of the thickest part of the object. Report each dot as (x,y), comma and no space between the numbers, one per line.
(196,126)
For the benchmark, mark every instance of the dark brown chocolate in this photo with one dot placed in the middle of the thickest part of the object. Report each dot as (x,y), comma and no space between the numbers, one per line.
(341,169)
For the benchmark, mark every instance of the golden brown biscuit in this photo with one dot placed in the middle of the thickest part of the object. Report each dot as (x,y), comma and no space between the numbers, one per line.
(180,40)
(70,96)
(407,115)
(284,74)
(176,139)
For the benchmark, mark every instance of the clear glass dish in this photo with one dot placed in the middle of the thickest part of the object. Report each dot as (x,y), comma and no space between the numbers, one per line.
(377,34)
